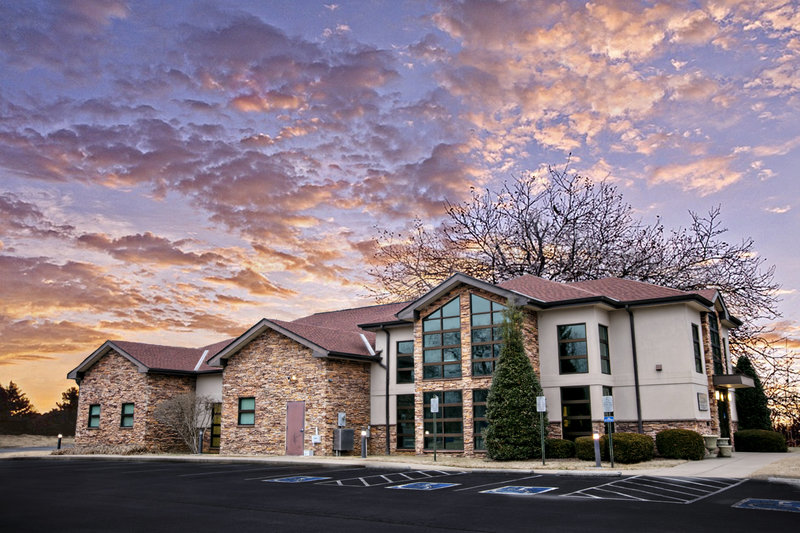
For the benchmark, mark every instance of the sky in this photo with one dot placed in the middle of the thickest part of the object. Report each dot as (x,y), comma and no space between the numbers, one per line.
(172,172)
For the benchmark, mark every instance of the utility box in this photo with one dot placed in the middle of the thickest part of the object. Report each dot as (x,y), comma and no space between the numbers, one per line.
(343,440)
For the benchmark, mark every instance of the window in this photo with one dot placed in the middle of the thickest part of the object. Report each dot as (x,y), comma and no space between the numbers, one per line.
(126,418)
(216,425)
(441,342)
(698,350)
(716,348)
(479,421)
(572,349)
(247,411)
(94,415)
(405,421)
(576,412)
(487,336)
(605,355)
(405,362)
(449,421)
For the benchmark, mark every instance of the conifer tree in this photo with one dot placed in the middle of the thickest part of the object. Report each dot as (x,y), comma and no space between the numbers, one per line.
(513,431)
(751,404)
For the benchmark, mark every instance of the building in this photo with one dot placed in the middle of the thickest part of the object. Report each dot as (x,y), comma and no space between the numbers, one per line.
(287,387)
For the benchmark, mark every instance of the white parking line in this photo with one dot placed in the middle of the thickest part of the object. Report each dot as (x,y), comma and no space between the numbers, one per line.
(498,483)
(305,474)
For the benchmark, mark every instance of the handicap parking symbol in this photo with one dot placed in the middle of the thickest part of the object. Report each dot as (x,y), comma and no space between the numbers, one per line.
(769,505)
(295,479)
(515,489)
(421,485)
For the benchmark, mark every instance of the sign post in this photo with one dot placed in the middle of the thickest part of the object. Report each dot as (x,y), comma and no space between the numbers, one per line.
(541,406)
(434,410)
(608,407)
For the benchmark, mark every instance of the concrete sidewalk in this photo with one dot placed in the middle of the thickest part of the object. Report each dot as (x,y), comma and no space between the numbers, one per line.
(773,466)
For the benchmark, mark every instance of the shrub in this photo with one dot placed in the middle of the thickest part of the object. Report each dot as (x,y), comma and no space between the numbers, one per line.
(559,449)
(759,440)
(632,447)
(103,449)
(680,444)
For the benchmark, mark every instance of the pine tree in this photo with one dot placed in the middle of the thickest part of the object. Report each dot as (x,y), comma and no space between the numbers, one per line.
(751,404)
(513,431)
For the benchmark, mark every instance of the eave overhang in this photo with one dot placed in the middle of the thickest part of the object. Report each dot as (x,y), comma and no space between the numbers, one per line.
(78,372)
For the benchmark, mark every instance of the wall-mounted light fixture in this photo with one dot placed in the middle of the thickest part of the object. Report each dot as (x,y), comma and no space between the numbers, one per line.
(292,378)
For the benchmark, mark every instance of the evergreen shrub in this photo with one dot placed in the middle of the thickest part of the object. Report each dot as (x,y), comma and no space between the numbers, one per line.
(631,447)
(759,440)
(559,449)
(680,444)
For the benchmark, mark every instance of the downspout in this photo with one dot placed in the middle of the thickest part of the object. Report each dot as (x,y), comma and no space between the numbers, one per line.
(388,365)
(639,425)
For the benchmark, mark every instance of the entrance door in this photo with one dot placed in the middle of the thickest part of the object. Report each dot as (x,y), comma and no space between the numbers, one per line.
(724,420)
(295,426)
(216,426)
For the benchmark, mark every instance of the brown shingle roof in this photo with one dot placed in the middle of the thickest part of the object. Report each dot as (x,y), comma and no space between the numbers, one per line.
(544,290)
(158,357)
(349,319)
(626,290)
(345,341)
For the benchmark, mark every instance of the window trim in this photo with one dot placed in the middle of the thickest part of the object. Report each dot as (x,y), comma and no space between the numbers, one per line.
(399,435)
(404,357)
(697,344)
(562,358)
(246,411)
(441,364)
(124,417)
(94,416)
(494,328)
(607,342)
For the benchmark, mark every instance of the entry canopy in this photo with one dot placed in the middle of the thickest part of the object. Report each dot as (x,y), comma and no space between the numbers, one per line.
(733,381)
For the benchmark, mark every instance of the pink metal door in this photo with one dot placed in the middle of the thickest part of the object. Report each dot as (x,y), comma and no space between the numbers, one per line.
(295,426)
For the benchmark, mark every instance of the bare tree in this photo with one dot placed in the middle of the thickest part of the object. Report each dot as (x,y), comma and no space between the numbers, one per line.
(187,415)
(565,227)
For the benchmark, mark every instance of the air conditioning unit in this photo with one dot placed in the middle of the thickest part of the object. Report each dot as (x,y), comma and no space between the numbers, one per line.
(343,440)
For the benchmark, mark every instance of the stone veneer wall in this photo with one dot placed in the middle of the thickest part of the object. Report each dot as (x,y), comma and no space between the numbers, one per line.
(709,362)
(110,382)
(466,383)
(261,370)
(162,387)
(114,380)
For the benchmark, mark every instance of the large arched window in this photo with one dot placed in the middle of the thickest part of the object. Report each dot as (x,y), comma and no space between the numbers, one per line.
(441,342)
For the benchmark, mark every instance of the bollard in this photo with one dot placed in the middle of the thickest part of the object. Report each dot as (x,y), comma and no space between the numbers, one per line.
(364,444)
(596,438)
(58,446)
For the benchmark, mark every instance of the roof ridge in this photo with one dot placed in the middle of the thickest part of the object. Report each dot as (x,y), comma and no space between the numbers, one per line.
(349,309)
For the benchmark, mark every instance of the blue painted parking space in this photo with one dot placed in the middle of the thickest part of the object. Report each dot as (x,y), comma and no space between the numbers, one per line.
(422,485)
(295,479)
(520,490)
(769,505)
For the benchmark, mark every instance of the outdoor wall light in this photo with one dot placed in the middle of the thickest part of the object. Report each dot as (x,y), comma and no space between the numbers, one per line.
(291,378)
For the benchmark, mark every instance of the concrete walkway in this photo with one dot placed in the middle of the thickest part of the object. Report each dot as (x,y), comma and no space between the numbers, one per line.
(740,465)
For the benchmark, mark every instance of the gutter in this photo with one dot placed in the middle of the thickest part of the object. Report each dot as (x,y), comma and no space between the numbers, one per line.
(639,425)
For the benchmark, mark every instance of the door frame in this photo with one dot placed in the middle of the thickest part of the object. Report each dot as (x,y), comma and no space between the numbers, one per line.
(293,431)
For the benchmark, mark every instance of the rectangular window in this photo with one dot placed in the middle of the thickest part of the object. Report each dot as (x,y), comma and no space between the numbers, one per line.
(487,335)
(405,362)
(716,347)
(605,355)
(247,411)
(216,425)
(126,418)
(441,342)
(405,421)
(449,421)
(576,412)
(94,415)
(698,349)
(479,421)
(572,349)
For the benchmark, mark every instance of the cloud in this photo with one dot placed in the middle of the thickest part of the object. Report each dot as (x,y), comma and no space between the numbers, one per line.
(253,282)
(43,340)
(707,175)
(147,248)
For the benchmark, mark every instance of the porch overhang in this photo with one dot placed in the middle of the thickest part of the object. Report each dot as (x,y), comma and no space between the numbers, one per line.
(733,381)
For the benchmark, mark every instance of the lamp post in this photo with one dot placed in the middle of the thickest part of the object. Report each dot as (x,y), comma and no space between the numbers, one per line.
(363,443)
(58,446)
(596,437)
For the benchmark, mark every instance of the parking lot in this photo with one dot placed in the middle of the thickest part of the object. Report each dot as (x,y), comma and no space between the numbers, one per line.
(130,495)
